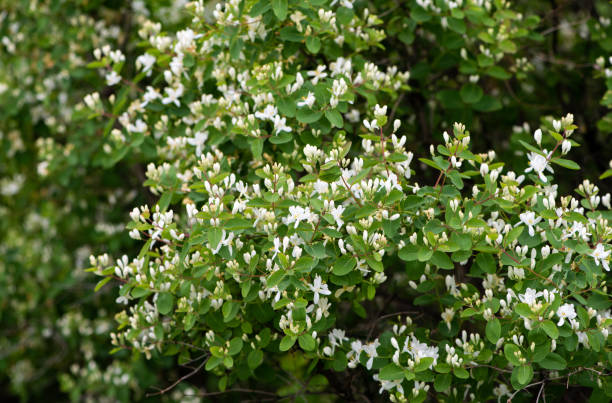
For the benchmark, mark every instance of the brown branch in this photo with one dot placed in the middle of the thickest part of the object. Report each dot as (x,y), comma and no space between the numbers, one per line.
(181,379)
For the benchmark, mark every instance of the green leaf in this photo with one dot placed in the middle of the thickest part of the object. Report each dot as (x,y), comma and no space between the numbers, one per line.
(307,115)
(254,359)
(456,25)
(431,163)
(551,329)
(424,254)
(138,292)
(487,103)
(442,260)
(569,164)
(461,373)
(275,278)
(334,117)
(464,241)
(455,178)
(165,199)
(530,147)
(345,15)
(524,374)
(493,330)
(291,34)
(230,310)
(391,372)
(313,44)
(553,361)
(261,7)
(523,310)
(101,283)
(287,342)
(344,265)
(442,382)
(514,234)
(423,364)
(235,48)
(508,46)
(165,303)
(280,9)
(486,262)
(375,264)
(306,342)
(471,93)
(235,346)
(606,174)
(96,64)
(498,72)
(214,237)
(281,138)
(213,362)
(256,147)
(509,352)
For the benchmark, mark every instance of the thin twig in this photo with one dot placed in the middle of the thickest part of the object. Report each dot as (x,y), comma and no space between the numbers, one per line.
(526,387)
(181,379)
(540,392)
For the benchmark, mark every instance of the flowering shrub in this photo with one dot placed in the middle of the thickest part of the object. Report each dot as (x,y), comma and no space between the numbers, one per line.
(312,211)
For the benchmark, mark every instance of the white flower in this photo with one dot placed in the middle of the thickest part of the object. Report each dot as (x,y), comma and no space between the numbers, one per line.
(151,95)
(530,297)
(566,146)
(537,135)
(280,125)
(373,125)
(312,153)
(379,111)
(138,127)
(529,219)
(577,228)
(370,350)
(484,169)
(318,287)
(557,125)
(296,215)
(418,350)
(173,95)
(343,3)
(605,200)
(396,125)
(336,212)
(146,62)
(565,311)
(317,74)
(308,100)
(269,113)
(113,78)
(538,164)
(601,256)
(447,316)
(336,337)
(198,141)
(226,240)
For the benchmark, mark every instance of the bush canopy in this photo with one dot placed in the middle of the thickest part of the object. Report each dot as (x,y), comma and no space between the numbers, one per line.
(312,201)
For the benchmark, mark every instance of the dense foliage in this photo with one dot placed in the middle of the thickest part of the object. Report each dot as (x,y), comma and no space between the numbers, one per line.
(305,200)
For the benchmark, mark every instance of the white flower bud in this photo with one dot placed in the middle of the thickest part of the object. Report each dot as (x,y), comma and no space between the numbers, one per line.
(537,136)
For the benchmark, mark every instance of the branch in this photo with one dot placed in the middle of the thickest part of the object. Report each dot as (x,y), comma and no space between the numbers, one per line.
(181,379)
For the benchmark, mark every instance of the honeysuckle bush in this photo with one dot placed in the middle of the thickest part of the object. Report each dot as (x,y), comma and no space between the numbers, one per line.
(313,223)
(282,212)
